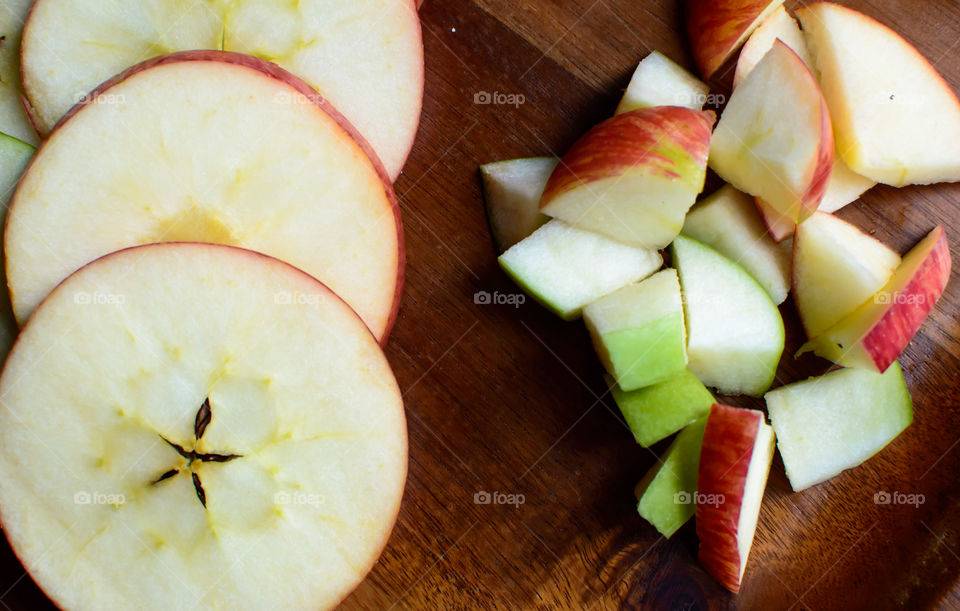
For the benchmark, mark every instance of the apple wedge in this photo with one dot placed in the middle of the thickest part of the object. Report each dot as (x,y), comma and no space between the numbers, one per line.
(658,152)
(177,432)
(638,331)
(666,495)
(735,460)
(775,139)
(659,81)
(836,268)
(735,335)
(728,222)
(565,268)
(779,226)
(184,148)
(365,56)
(896,120)
(779,25)
(845,186)
(512,191)
(717,28)
(13,116)
(655,412)
(14,157)
(834,422)
(875,334)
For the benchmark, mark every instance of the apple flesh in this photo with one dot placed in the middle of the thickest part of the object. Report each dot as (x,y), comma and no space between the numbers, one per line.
(875,334)
(728,222)
(835,422)
(655,412)
(836,268)
(717,28)
(658,152)
(735,460)
(565,268)
(365,56)
(896,120)
(779,25)
(175,434)
(665,495)
(512,191)
(14,157)
(775,139)
(13,116)
(845,186)
(735,334)
(780,227)
(638,331)
(659,81)
(185,148)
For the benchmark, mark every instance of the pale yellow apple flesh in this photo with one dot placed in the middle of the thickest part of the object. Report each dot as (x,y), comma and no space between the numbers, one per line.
(212,147)
(779,25)
(198,426)
(659,81)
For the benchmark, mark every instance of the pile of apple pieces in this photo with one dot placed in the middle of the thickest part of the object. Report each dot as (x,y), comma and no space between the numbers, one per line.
(581,235)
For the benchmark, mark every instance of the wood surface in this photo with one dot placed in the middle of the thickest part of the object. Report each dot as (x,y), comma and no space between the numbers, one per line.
(511,400)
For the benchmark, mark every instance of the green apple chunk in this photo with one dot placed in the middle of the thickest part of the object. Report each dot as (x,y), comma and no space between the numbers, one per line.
(638,331)
(666,493)
(735,334)
(729,222)
(658,411)
(512,191)
(565,268)
(14,156)
(835,422)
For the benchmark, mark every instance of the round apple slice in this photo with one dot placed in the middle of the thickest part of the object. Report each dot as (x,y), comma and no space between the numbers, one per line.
(192,425)
(209,146)
(365,56)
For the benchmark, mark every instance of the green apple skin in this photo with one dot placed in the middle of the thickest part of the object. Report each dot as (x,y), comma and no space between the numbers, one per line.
(658,411)
(835,422)
(665,494)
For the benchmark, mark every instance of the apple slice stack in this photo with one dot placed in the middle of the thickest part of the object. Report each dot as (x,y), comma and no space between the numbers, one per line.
(817,117)
(206,257)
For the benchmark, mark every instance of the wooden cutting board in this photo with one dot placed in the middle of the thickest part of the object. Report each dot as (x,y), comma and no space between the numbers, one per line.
(510,401)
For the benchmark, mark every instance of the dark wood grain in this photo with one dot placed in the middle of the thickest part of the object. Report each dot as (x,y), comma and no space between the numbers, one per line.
(512,399)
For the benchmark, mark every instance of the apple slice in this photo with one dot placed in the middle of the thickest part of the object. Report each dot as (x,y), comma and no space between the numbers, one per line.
(779,226)
(659,152)
(512,191)
(717,28)
(659,81)
(875,334)
(638,331)
(660,410)
(779,25)
(775,139)
(728,222)
(365,56)
(834,422)
(666,494)
(184,148)
(13,116)
(14,156)
(565,268)
(896,120)
(845,186)
(735,460)
(175,432)
(836,268)
(735,335)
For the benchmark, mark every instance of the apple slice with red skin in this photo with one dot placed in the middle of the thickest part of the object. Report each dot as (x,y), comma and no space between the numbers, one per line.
(735,460)
(717,28)
(779,25)
(659,152)
(874,335)
(778,225)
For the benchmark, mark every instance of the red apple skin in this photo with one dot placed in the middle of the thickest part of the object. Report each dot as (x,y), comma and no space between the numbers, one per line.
(779,227)
(663,139)
(824,164)
(715,26)
(274,71)
(891,335)
(728,444)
